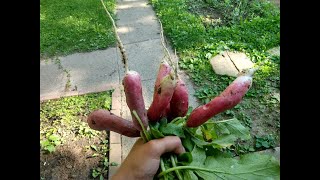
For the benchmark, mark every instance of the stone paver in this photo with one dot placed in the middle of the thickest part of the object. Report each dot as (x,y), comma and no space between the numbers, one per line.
(222,65)
(134,13)
(230,63)
(92,71)
(52,79)
(114,157)
(240,60)
(136,22)
(144,57)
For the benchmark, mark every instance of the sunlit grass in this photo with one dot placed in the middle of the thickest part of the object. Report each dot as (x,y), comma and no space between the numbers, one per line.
(68,26)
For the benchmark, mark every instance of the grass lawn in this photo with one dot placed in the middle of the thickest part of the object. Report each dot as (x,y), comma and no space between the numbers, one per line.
(201,29)
(69,26)
(70,149)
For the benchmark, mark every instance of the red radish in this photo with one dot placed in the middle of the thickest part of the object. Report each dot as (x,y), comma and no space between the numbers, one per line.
(179,102)
(133,91)
(167,112)
(104,120)
(162,98)
(164,69)
(229,98)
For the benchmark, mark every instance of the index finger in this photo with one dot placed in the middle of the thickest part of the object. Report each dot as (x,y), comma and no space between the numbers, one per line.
(164,145)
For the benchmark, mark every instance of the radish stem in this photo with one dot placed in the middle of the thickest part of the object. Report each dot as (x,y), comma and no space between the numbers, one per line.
(173,161)
(140,122)
(163,168)
(167,51)
(188,167)
(120,45)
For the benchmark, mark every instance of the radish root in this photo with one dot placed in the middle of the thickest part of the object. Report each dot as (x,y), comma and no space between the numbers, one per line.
(175,69)
(120,45)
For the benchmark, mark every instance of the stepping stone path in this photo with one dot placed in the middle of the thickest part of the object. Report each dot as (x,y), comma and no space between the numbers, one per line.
(230,63)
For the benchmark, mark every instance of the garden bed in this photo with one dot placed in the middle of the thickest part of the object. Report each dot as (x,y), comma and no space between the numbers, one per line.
(202,29)
(69,148)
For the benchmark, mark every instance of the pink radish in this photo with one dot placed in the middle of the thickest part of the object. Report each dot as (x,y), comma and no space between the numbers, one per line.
(179,102)
(133,91)
(104,120)
(162,98)
(164,69)
(229,98)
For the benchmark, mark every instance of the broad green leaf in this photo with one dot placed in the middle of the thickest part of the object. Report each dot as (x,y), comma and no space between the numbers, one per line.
(235,128)
(224,141)
(50,148)
(222,129)
(172,129)
(95,173)
(265,144)
(212,151)
(249,166)
(187,142)
(221,142)
(198,156)
(44,143)
(54,137)
(189,175)
(101,177)
(200,142)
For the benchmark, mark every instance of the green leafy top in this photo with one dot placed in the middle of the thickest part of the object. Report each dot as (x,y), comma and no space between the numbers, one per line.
(206,157)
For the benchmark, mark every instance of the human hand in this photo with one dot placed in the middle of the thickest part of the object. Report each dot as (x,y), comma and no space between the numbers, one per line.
(144,158)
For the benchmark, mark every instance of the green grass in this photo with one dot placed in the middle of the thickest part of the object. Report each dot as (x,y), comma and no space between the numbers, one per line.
(69,26)
(234,11)
(253,30)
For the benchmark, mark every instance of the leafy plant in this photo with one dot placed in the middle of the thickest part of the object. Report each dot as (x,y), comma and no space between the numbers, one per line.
(235,11)
(245,119)
(59,118)
(102,170)
(265,142)
(84,130)
(49,144)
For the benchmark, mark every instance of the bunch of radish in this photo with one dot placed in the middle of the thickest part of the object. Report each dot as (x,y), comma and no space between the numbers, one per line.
(170,100)
(168,112)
